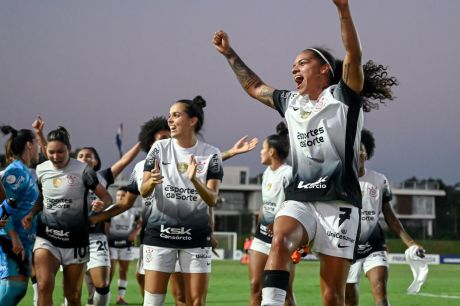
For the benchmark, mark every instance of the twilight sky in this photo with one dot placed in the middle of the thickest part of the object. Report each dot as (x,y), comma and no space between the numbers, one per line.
(89,65)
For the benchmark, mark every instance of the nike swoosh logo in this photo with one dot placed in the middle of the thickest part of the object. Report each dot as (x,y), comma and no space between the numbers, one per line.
(295,109)
(342,246)
(165,163)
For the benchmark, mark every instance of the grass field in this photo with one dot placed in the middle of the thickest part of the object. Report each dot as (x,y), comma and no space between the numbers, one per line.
(229,285)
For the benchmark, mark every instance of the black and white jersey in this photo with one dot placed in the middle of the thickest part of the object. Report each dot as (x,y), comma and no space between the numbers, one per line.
(64,220)
(106,179)
(273,185)
(325,137)
(375,190)
(179,218)
(120,227)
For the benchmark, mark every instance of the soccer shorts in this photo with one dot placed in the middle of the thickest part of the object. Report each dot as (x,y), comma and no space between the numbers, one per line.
(260,246)
(122,253)
(65,256)
(376,259)
(332,226)
(194,260)
(98,252)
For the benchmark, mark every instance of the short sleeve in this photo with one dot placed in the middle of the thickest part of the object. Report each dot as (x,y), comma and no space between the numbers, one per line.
(281,99)
(215,169)
(387,195)
(90,179)
(108,176)
(152,156)
(346,95)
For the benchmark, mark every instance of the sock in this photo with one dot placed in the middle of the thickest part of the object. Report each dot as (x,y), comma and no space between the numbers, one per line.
(151,299)
(102,296)
(274,286)
(122,283)
(35,287)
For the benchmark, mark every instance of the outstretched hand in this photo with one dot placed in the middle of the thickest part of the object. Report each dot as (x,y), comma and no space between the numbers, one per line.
(243,145)
(221,42)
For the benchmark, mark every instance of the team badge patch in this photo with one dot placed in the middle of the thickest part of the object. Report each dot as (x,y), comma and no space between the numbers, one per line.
(182,167)
(57,182)
(10,179)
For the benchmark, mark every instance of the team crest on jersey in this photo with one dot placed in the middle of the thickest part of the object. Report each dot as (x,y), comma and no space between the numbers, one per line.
(71,180)
(57,182)
(320,104)
(10,179)
(200,167)
(372,191)
(269,186)
(304,114)
(182,167)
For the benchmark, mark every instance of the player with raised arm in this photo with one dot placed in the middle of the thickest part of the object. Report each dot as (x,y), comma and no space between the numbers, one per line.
(324,117)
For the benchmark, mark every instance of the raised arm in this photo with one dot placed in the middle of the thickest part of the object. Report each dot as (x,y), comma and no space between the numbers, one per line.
(125,160)
(38,126)
(240,147)
(352,73)
(250,82)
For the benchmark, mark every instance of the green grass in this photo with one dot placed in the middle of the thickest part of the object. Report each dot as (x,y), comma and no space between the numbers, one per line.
(229,285)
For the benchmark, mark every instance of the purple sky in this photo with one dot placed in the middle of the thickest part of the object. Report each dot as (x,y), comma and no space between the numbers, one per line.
(89,65)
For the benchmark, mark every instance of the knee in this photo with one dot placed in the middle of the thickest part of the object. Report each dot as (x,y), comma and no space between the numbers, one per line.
(280,244)
(351,300)
(256,285)
(333,297)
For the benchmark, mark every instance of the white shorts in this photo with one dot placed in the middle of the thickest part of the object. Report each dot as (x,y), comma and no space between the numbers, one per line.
(195,260)
(98,251)
(332,226)
(376,259)
(260,246)
(140,262)
(122,253)
(65,256)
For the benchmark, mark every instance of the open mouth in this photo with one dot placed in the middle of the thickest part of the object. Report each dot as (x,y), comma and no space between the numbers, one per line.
(298,79)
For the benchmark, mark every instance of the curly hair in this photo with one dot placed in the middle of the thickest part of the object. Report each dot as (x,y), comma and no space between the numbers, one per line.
(377,82)
(149,129)
(368,141)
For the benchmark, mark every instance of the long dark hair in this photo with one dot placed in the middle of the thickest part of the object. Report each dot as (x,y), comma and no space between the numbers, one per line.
(96,155)
(149,129)
(377,82)
(16,144)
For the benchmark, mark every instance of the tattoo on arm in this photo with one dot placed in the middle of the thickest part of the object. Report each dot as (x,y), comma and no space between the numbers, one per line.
(245,76)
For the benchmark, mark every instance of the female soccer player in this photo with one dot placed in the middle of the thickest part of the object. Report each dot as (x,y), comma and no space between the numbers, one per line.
(185,174)
(277,176)
(371,253)
(324,118)
(63,226)
(98,266)
(17,242)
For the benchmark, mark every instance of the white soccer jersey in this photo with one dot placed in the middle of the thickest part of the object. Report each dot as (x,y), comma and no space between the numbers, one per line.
(64,220)
(375,190)
(179,217)
(120,227)
(273,185)
(324,138)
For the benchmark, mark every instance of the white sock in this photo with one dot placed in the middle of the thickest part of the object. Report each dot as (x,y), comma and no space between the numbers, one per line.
(122,284)
(272,296)
(101,299)
(35,287)
(151,299)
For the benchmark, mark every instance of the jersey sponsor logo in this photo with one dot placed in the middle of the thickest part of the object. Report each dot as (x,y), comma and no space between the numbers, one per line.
(319,184)
(184,194)
(367,215)
(175,233)
(57,234)
(57,182)
(57,203)
(311,138)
